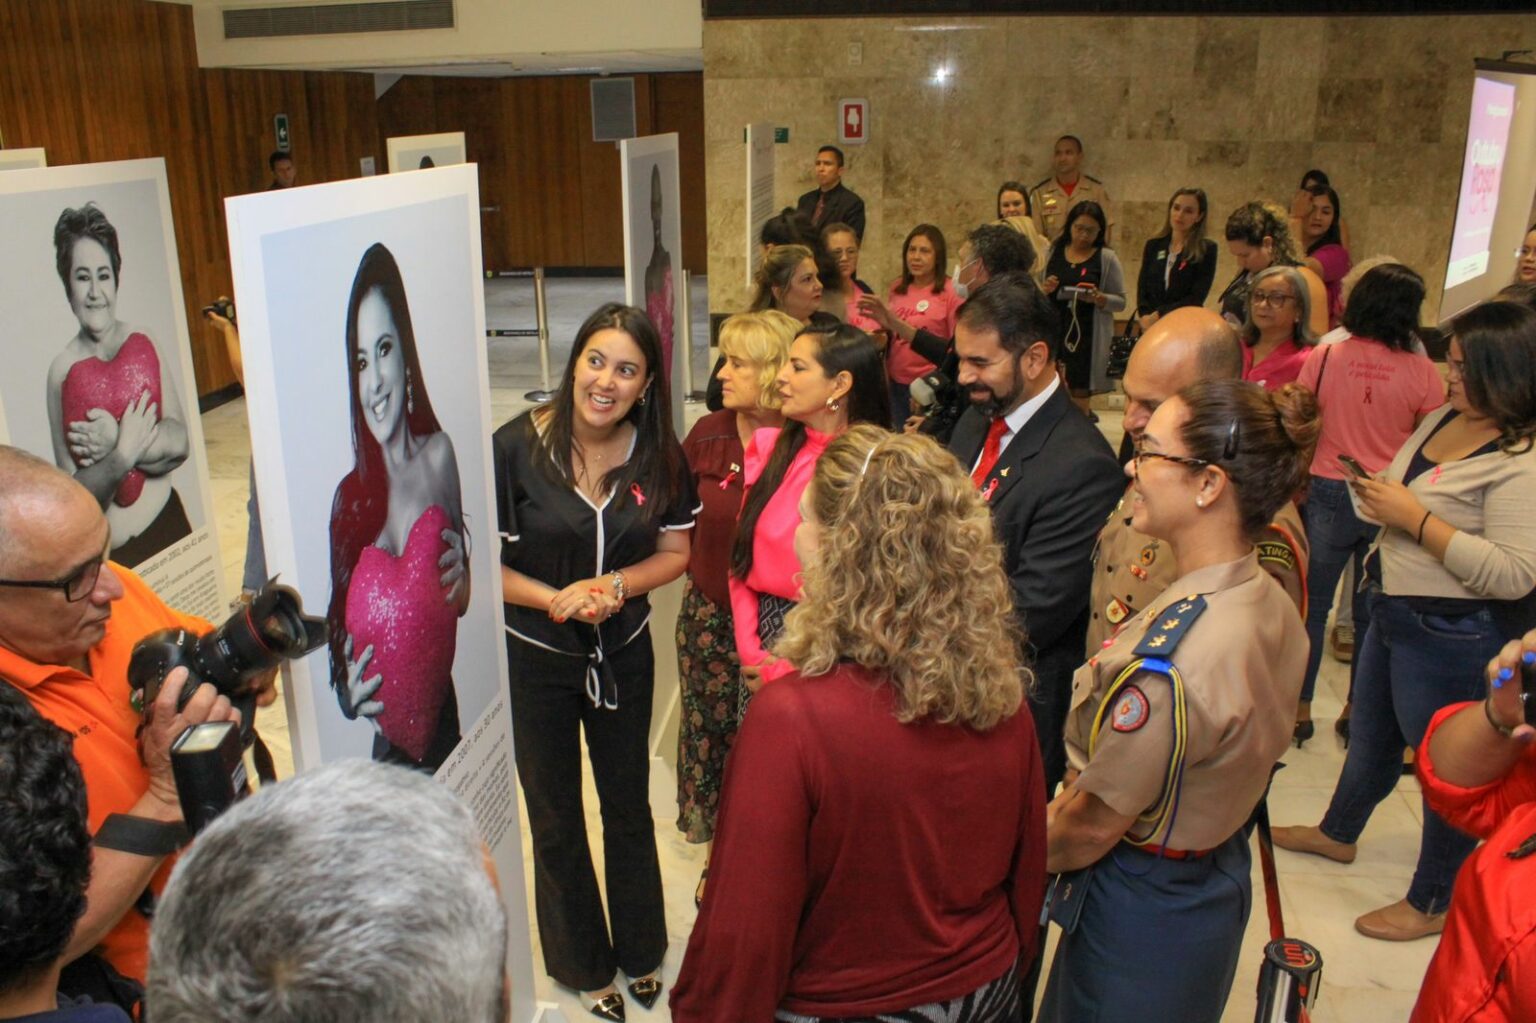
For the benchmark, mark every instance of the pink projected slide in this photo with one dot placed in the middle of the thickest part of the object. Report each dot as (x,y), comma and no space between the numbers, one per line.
(1493,104)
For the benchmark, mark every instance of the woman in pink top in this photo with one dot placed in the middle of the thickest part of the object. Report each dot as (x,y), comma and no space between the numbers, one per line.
(924,297)
(1276,337)
(1372,388)
(1326,255)
(832,380)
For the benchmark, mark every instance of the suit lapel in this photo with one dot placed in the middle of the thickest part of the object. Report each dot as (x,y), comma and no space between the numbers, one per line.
(1010,467)
(965,443)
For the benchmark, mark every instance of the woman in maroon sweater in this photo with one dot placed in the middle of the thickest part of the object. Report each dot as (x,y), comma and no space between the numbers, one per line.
(753,348)
(879,848)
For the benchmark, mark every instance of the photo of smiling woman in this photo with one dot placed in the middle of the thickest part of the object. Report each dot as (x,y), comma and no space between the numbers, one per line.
(113,413)
(399,576)
(596,509)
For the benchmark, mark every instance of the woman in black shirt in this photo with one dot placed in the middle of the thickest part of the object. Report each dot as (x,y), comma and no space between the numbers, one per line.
(595,504)
(1179,265)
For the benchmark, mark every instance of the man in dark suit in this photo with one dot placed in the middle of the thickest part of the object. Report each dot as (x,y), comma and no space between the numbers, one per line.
(1048,475)
(832,202)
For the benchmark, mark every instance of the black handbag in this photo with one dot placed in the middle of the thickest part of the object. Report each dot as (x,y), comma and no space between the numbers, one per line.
(1120,347)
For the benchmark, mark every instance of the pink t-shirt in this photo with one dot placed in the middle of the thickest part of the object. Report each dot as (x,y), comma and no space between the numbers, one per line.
(1371,399)
(855,316)
(1279,367)
(1335,261)
(927,311)
(775,567)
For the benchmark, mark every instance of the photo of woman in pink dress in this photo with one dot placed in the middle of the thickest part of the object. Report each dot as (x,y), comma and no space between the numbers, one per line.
(658,278)
(399,573)
(114,416)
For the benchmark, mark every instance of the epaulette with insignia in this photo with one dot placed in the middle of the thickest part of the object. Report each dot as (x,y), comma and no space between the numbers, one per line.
(1095,180)
(1170,627)
(1041,183)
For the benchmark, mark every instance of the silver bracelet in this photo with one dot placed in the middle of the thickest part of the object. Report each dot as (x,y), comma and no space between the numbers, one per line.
(620,589)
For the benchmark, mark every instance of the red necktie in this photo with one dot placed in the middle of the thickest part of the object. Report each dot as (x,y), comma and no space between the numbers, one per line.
(990,450)
(821,207)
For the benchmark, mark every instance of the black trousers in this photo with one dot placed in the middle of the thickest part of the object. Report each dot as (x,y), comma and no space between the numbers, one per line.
(549,710)
(1049,703)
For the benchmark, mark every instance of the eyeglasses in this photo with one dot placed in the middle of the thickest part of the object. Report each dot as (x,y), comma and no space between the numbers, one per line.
(1185,460)
(1272,298)
(76,586)
(1228,452)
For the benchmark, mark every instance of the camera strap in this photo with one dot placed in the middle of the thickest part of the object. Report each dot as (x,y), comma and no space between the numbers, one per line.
(141,836)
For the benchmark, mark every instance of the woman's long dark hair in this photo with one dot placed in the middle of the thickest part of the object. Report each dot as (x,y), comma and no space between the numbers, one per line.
(839,347)
(1086,208)
(1498,352)
(657,461)
(361,504)
(1196,246)
(940,259)
(1330,236)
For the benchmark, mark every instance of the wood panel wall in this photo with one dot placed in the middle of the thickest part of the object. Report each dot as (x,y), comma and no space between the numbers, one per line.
(99,80)
(552,194)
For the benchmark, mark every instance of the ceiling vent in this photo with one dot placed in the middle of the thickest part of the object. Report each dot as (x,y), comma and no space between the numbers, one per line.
(335,19)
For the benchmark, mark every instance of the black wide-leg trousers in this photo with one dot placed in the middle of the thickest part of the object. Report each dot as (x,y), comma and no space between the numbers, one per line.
(550,708)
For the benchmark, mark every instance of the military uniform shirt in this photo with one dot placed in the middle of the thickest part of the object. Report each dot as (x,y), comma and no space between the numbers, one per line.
(1241,657)
(1050,202)
(1130,568)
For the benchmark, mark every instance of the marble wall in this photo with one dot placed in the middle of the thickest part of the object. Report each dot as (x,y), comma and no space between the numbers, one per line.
(1238,106)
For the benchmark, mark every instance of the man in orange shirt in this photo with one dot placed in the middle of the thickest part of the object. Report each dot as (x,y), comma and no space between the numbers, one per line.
(68,624)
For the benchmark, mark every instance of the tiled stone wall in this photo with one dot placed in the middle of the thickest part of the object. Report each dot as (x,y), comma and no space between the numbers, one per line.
(1237,106)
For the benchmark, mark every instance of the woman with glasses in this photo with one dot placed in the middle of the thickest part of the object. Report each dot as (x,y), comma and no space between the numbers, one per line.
(1083,276)
(1259,237)
(1457,553)
(1525,267)
(1177,721)
(1276,336)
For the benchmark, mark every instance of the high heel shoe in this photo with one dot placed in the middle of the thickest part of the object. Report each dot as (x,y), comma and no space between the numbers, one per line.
(646,990)
(1304,731)
(1341,728)
(609,1006)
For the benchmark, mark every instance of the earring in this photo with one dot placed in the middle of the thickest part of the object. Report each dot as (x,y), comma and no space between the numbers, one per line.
(640,400)
(1199,502)
(833,404)
(410,394)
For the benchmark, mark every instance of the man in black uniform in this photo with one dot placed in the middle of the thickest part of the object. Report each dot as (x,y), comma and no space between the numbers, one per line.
(832,202)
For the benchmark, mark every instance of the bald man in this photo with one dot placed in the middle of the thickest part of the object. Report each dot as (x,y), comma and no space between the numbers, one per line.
(68,622)
(1131,568)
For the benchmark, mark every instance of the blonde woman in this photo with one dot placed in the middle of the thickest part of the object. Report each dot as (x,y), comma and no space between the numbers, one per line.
(838,889)
(753,347)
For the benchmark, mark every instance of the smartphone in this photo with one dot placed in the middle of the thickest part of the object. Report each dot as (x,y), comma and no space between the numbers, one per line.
(1528,691)
(1354,468)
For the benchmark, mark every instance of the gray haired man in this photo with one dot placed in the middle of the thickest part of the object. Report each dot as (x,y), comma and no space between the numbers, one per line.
(356,891)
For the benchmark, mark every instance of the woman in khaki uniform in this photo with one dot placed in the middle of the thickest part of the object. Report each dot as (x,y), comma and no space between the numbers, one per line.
(1176,724)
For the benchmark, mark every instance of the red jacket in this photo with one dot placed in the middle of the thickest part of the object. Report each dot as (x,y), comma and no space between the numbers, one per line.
(1485,967)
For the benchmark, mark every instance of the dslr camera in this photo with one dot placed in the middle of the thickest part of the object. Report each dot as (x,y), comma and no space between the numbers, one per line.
(207,758)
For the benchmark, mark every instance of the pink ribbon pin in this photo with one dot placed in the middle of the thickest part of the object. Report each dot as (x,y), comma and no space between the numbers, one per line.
(634,488)
(986,494)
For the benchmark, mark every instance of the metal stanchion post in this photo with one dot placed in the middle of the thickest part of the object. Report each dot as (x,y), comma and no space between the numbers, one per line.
(690,396)
(542,309)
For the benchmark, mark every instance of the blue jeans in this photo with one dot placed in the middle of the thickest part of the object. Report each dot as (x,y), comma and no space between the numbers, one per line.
(1411,665)
(255,575)
(1334,537)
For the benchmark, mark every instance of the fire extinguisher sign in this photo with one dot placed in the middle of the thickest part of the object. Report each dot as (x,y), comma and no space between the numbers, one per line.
(853,121)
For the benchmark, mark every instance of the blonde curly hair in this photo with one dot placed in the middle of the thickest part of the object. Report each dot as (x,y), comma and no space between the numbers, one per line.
(908,582)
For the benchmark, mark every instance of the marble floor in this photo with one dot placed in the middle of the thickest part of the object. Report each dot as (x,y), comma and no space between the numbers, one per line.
(1363,980)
